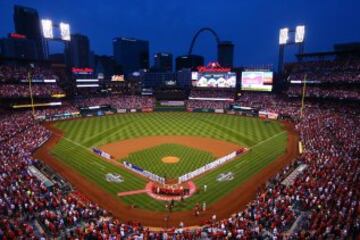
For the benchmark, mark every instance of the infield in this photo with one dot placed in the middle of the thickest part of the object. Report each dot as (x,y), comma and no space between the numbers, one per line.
(152,159)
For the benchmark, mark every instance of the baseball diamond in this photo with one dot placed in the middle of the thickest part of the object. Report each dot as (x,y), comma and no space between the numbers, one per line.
(266,141)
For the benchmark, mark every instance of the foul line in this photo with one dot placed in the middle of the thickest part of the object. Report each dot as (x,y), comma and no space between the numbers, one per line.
(259,143)
(121,125)
(99,165)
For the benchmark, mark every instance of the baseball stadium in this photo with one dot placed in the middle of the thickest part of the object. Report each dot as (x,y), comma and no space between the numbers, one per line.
(120,147)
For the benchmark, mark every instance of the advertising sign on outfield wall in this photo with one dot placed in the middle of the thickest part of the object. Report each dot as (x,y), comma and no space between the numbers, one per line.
(121,110)
(147,110)
(132,110)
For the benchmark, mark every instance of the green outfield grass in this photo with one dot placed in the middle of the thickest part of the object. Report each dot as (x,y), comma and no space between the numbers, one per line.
(267,140)
(150,159)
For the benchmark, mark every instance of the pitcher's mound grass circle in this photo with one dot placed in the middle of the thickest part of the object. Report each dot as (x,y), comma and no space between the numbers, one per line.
(170,159)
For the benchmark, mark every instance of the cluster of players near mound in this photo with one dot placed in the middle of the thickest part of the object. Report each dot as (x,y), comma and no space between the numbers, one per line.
(320,200)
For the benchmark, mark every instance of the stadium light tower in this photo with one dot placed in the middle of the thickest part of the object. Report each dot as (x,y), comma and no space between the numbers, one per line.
(65,31)
(62,33)
(47,28)
(290,37)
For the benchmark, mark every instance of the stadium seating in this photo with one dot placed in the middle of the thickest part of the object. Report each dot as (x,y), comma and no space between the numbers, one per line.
(118,102)
(336,79)
(325,193)
(218,93)
(22,90)
(14,82)
(191,104)
(321,203)
(16,73)
(318,92)
(345,70)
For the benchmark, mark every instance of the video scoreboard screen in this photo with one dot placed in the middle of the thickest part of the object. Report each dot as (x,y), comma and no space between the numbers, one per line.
(257,81)
(213,79)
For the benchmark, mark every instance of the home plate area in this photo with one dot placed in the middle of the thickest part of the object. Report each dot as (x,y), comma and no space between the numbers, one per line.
(165,192)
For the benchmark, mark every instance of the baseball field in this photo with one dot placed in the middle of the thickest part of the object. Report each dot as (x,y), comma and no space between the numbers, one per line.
(168,144)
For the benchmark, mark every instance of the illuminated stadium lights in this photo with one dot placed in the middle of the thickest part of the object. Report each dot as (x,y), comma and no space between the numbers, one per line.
(65,31)
(290,37)
(283,36)
(299,34)
(47,28)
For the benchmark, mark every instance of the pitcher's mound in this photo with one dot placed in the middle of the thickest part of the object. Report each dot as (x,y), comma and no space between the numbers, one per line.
(170,159)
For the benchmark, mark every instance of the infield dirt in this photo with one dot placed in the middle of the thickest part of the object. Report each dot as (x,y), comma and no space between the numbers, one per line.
(122,149)
(234,201)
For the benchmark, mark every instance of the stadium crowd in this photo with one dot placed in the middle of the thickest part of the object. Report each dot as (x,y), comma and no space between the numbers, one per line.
(22,90)
(15,74)
(118,102)
(11,124)
(269,102)
(346,70)
(313,91)
(204,104)
(218,93)
(66,107)
(324,197)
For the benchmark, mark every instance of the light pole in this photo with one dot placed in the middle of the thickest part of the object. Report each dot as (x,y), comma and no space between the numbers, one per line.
(289,37)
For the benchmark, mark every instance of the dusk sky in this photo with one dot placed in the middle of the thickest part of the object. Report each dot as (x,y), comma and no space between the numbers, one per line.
(169,25)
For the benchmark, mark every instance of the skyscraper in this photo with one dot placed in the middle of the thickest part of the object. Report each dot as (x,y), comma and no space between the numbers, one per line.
(163,62)
(226,53)
(131,54)
(19,48)
(27,23)
(189,61)
(78,50)
(106,65)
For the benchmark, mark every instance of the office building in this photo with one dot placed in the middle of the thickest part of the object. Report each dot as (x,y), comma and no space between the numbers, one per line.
(226,54)
(157,79)
(163,62)
(27,23)
(183,78)
(131,54)
(189,61)
(20,48)
(78,51)
(106,65)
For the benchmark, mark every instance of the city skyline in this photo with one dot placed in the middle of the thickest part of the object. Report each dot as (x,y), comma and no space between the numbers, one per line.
(169,27)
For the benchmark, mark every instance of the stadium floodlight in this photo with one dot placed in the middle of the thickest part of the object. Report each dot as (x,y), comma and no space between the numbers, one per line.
(283,36)
(299,34)
(65,31)
(47,28)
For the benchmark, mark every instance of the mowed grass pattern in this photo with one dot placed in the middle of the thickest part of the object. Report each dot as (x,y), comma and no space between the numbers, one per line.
(151,159)
(267,140)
